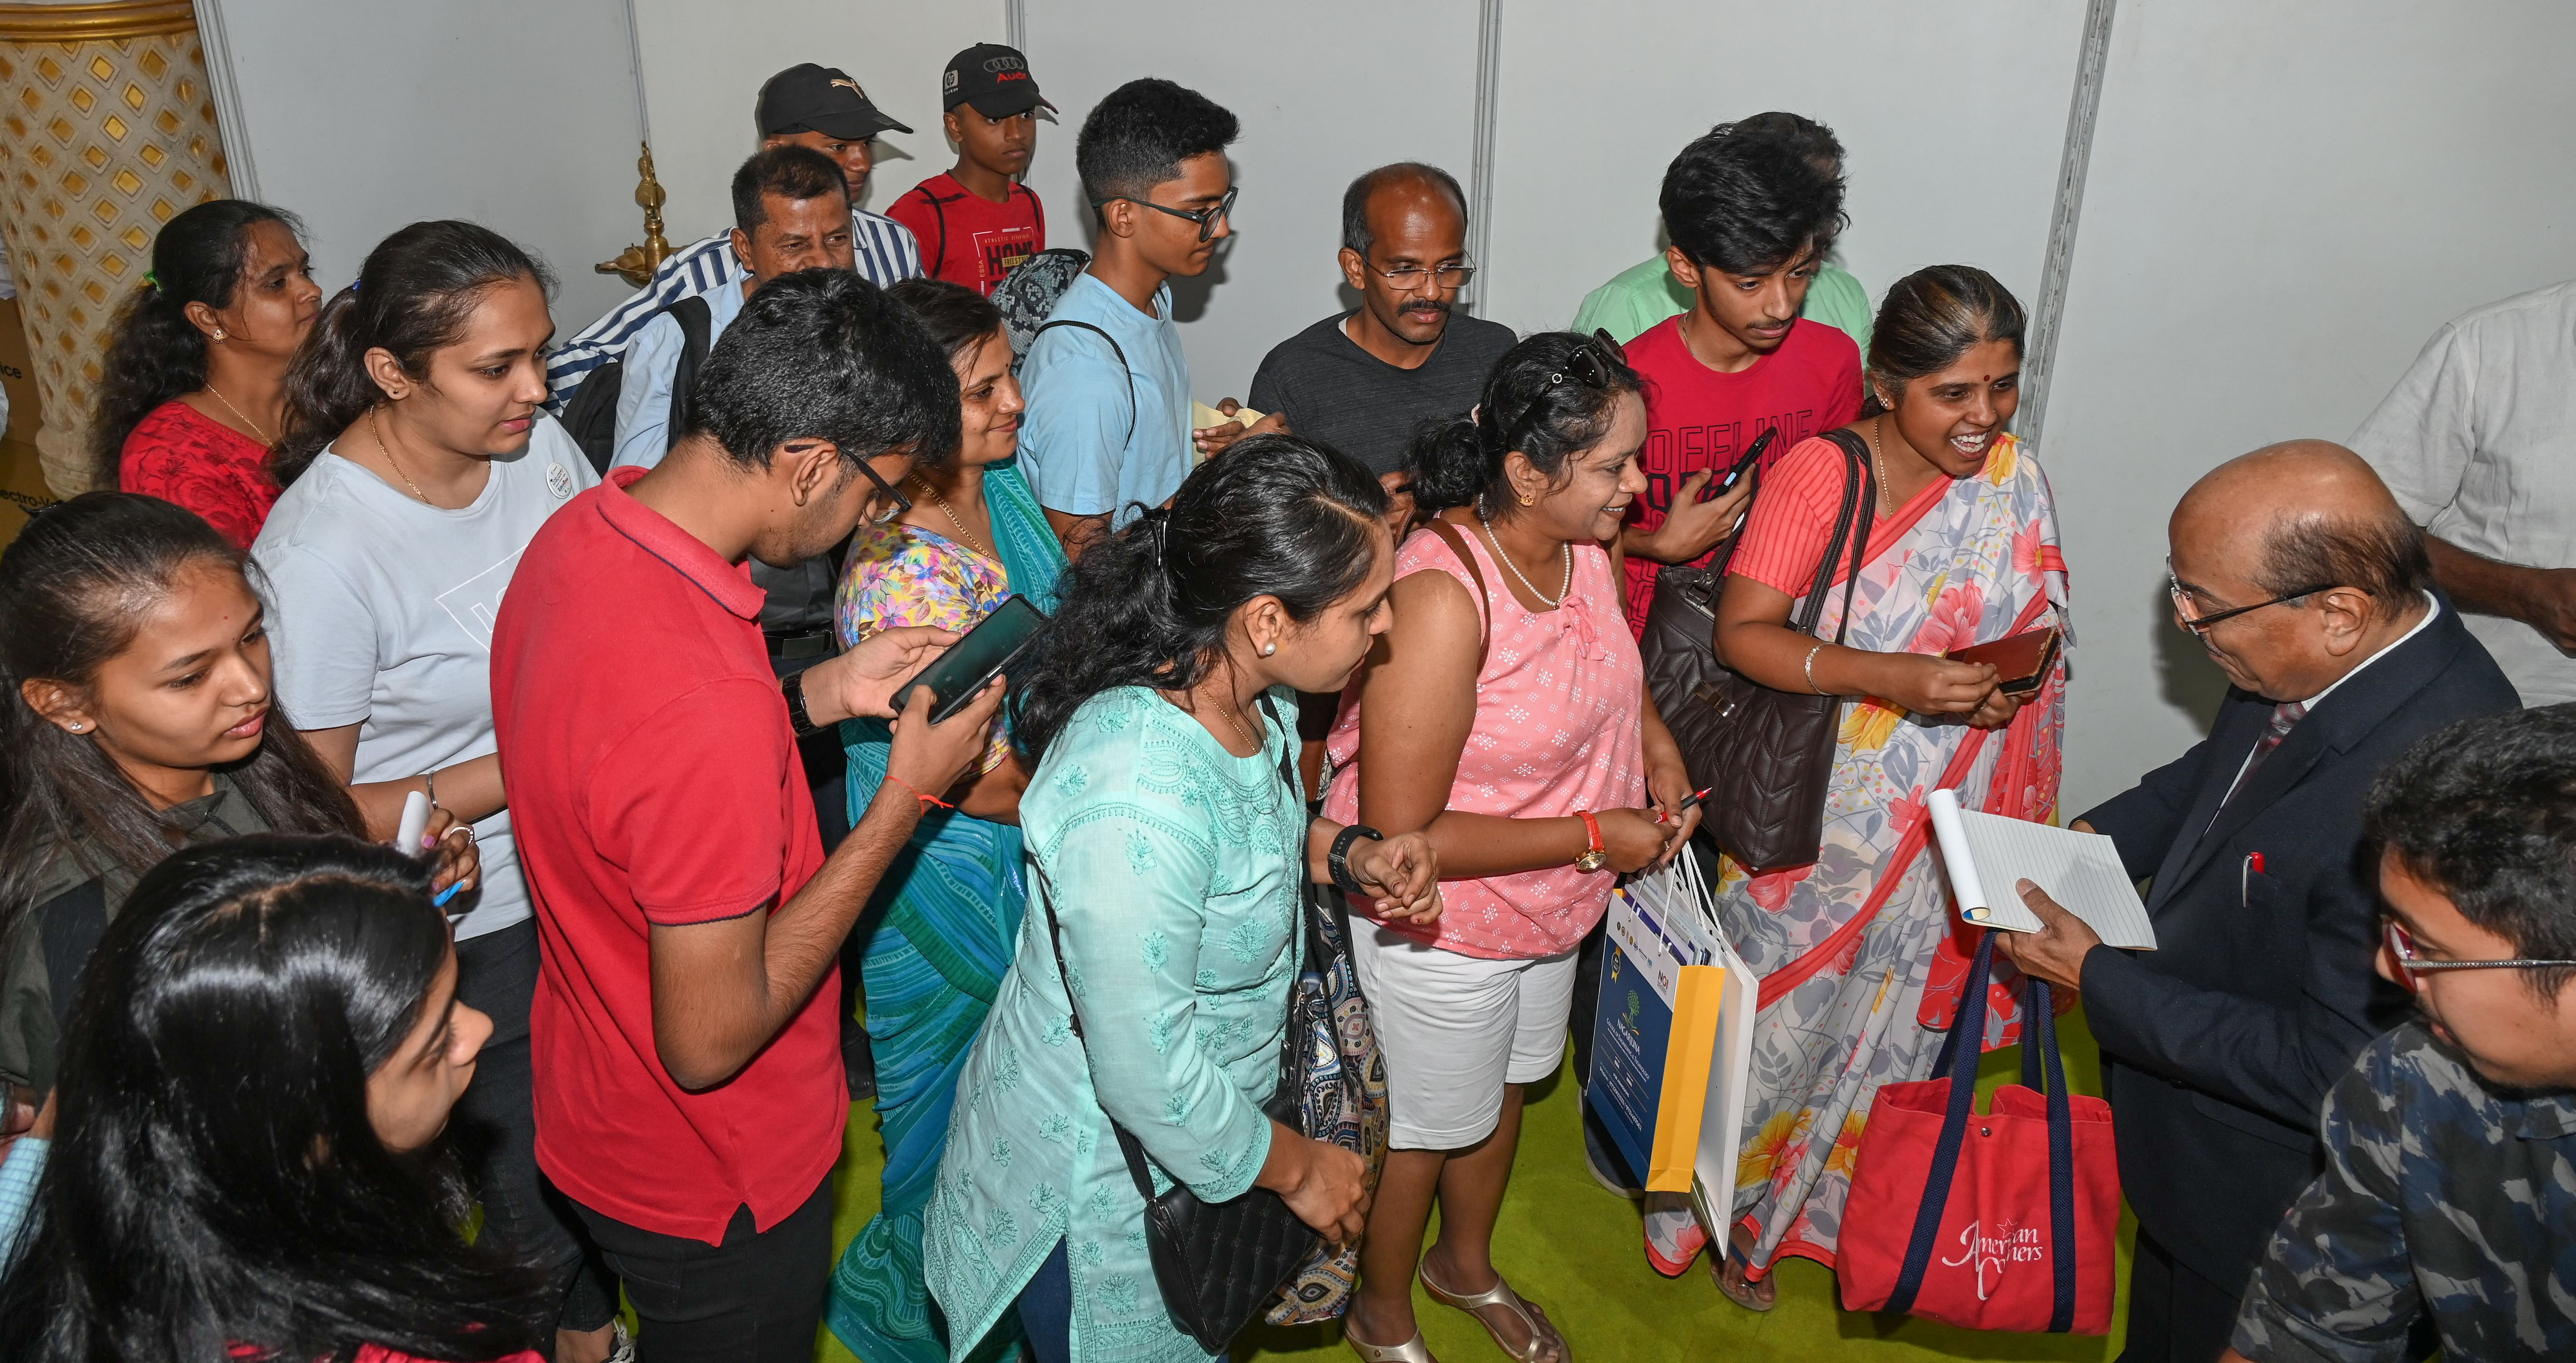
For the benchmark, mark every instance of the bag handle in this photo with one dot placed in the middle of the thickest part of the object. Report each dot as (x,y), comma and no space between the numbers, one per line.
(1859,510)
(1958,1061)
(1458,545)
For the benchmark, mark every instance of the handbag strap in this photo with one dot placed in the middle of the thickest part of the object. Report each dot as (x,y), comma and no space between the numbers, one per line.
(1859,510)
(1128,1145)
(1958,1061)
(1484,599)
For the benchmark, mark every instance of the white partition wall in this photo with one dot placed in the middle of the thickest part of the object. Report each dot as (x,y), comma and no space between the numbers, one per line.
(2286,199)
(1951,117)
(1325,90)
(364,115)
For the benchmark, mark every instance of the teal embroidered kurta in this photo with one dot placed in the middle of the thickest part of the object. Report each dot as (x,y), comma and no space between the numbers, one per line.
(1175,868)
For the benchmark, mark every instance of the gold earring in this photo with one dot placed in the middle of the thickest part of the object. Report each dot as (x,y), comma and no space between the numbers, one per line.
(219,333)
(1528,500)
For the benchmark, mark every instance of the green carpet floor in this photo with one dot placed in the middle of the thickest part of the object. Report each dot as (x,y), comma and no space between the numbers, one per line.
(1574,1249)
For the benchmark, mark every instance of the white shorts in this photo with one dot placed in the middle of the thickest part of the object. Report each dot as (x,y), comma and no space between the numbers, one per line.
(1455,1030)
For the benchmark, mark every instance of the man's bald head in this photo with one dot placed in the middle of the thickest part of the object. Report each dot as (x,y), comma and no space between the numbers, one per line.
(2303,515)
(1410,183)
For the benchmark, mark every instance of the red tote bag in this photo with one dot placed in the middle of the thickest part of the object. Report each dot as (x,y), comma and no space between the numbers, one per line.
(2000,1221)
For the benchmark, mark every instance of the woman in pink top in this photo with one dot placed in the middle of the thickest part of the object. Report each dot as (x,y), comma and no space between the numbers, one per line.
(1505,715)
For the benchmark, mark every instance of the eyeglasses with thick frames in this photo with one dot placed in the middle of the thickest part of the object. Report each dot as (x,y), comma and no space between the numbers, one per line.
(1411,278)
(2199,624)
(1206,218)
(1594,363)
(898,507)
(2401,954)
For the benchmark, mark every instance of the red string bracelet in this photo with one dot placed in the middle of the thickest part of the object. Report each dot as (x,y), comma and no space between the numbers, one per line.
(916,793)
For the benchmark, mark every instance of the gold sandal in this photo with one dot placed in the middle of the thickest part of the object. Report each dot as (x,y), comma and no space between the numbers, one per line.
(1545,1345)
(1410,1351)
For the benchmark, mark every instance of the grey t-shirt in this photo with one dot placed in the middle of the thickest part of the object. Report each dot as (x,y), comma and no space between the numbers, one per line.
(380,615)
(2478,442)
(1337,393)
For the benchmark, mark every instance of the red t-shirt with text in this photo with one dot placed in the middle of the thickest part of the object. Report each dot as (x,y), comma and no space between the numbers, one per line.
(1699,418)
(969,239)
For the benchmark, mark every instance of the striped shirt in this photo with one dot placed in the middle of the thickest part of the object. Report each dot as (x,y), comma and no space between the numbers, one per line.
(884,249)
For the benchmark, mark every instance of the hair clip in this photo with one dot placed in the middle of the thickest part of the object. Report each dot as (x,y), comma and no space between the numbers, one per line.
(152,280)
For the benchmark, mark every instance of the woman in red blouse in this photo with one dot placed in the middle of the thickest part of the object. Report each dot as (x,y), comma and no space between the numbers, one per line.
(195,388)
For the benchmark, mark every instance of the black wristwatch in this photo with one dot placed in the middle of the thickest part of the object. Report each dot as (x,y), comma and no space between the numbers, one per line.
(794,690)
(1338,861)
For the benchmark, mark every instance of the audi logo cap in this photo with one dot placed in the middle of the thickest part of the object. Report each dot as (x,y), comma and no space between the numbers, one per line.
(993,78)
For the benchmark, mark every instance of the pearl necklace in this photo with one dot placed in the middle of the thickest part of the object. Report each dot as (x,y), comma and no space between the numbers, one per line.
(1562,587)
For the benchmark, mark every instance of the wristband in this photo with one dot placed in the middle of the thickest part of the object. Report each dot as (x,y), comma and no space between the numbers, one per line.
(916,792)
(1811,669)
(1338,861)
(794,690)
(1598,854)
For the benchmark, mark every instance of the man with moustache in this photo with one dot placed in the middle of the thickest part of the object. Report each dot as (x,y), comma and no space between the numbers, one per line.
(1362,381)
(975,221)
(2309,587)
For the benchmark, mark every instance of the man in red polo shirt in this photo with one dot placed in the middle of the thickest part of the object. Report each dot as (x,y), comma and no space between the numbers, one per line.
(690,1096)
(1751,210)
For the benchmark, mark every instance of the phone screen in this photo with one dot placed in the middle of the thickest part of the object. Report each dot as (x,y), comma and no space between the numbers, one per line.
(970,662)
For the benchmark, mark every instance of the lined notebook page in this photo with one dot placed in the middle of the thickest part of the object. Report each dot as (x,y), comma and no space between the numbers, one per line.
(1986,854)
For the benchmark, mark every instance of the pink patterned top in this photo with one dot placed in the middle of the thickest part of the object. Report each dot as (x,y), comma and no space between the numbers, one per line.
(1558,728)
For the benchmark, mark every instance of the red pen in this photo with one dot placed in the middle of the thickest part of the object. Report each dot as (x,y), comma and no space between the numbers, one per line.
(2255,860)
(1688,801)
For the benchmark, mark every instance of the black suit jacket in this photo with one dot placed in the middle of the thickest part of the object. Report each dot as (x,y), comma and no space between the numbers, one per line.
(2219,1046)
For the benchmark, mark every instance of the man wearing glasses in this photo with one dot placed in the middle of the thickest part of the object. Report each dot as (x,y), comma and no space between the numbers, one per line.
(1108,424)
(689,1088)
(1362,381)
(2449,1188)
(2308,586)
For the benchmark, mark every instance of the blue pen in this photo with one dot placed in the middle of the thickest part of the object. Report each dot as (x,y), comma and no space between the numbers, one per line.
(447,894)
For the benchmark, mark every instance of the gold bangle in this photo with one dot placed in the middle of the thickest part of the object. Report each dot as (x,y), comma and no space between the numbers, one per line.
(1811,671)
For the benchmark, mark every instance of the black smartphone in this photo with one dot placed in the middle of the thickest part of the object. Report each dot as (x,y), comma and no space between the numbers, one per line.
(1742,466)
(997,641)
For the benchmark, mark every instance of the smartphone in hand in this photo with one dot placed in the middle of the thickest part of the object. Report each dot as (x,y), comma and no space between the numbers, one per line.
(1743,466)
(997,641)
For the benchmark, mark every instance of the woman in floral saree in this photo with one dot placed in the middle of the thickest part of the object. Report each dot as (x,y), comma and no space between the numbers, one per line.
(939,937)
(1858,954)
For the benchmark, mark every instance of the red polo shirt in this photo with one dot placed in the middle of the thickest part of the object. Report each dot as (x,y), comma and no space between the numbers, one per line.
(653,779)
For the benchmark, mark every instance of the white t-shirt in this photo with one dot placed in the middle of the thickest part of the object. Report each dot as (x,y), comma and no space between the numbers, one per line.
(2478,442)
(380,615)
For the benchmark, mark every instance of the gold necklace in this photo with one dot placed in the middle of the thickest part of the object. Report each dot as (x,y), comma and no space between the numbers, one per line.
(1879,461)
(1561,588)
(1227,715)
(238,415)
(376,428)
(944,509)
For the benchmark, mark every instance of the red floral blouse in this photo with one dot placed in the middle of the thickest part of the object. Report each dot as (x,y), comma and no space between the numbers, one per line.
(179,454)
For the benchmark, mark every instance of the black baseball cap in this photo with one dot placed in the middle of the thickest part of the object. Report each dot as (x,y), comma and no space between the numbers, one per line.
(993,78)
(823,99)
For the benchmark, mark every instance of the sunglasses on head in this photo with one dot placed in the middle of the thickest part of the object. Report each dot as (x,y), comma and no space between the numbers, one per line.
(1595,364)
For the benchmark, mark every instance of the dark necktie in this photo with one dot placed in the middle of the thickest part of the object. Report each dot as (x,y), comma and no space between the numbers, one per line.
(2285,717)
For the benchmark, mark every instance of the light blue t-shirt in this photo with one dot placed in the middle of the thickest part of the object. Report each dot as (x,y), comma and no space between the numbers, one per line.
(1076,444)
(652,361)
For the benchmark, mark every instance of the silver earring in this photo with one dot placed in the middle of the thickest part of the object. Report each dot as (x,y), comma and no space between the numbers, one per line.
(219,333)
(1268,649)
(77,725)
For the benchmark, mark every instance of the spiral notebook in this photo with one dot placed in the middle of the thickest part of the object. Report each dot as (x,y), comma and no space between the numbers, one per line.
(1987,854)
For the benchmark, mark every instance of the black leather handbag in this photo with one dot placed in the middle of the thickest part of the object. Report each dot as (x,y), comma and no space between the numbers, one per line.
(1768,754)
(1219,1263)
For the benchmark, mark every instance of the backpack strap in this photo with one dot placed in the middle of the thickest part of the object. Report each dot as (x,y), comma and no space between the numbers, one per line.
(1484,599)
(1133,406)
(697,323)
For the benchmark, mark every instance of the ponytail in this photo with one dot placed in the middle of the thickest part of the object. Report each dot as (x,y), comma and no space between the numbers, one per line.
(1149,606)
(154,353)
(414,295)
(1534,402)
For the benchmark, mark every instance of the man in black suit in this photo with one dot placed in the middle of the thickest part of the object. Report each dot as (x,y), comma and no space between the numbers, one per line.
(2311,590)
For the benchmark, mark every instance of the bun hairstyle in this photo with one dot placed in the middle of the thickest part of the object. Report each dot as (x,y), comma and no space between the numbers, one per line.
(217,1183)
(75,587)
(1279,516)
(413,296)
(1932,317)
(154,353)
(1531,403)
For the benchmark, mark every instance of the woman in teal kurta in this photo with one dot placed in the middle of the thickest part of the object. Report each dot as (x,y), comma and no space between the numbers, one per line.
(1173,856)
(939,935)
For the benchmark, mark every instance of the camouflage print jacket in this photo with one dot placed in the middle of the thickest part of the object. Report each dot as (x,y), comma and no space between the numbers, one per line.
(2440,1195)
